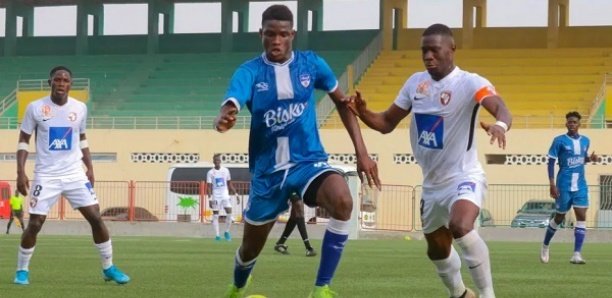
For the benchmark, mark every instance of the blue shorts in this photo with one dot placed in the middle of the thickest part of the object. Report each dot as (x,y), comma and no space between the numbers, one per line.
(567,199)
(270,193)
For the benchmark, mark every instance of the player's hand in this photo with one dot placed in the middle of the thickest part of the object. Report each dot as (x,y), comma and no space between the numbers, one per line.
(226,118)
(90,176)
(496,132)
(23,184)
(593,157)
(367,166)
(356,104)
(554,192)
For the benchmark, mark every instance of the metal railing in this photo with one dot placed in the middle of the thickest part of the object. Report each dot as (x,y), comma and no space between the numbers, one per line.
(8,101)
(599,100)
(395,207)
(244,122)
(42,85)
(353,73)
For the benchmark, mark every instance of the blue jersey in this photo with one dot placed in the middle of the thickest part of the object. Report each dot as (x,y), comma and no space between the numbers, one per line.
(280,97)
(570,154)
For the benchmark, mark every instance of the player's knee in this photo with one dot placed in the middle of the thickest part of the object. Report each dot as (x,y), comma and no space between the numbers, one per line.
(460,228)
(34,226)
(342,207)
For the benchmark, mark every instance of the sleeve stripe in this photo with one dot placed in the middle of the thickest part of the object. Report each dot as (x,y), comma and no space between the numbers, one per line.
(484,92)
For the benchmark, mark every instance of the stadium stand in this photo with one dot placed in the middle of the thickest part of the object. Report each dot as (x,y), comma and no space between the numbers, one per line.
(147,85)
(537,84)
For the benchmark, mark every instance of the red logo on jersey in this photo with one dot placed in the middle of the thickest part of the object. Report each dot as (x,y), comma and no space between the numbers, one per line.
(46,111)
(72,116)
(445,97)
(423,88)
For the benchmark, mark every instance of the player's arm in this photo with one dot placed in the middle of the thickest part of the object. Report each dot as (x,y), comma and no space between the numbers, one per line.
(496,107)
(384,122)
(84,145)
(230,187)
(364,163)
(236,96)
(23,183)
(552,159)
(209,183)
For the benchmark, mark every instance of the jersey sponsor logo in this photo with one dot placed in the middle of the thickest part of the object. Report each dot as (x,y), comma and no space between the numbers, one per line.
(305,80)
(219,182)
(466,188)
(91,190)
(430,130)
(60,138)
(261,86)
(575,161)
(277,119)
(445,97)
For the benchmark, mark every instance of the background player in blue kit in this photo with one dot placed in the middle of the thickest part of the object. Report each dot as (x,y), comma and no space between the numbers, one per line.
(570,189)
(285,150)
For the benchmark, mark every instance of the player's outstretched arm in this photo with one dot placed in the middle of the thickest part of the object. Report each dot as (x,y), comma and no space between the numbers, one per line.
(226,118)
(384,122)
(365,165)
(496,107)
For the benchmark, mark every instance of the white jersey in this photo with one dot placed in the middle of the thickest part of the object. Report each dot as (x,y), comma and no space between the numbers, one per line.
(58,130)
(444,117)
(219,179)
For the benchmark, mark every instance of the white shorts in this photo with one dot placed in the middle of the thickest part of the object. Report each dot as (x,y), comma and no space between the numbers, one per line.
(436,202)
(45,192)
(217,204)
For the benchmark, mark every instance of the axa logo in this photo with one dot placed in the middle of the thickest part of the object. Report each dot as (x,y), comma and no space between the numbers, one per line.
(278,118)
(58,144)
(430,129)
(261,86)
(60,138)
(428,139)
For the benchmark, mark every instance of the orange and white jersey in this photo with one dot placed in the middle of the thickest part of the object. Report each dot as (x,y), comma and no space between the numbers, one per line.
(444,118)
(58,130)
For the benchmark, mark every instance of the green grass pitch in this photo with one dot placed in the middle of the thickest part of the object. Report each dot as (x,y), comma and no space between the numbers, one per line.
(68,266)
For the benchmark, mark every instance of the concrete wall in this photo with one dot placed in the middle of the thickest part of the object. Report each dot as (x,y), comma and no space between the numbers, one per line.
(207,142)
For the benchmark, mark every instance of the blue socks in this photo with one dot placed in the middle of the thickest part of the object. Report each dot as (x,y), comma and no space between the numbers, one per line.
(550,232)
(579,235)
(334,240)
(242,270)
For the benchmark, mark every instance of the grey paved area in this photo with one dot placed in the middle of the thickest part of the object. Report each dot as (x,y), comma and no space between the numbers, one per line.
(172,229)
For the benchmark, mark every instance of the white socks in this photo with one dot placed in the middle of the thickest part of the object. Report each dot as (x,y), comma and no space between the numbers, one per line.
(228,222)
(449,271)
(106,253)
(476,256)
(23,258)
(216,223)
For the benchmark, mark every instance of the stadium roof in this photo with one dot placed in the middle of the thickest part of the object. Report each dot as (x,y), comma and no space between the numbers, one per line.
(36,3)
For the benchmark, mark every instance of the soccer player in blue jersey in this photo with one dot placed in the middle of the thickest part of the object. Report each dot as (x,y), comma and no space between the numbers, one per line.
(570,189)
(285,150)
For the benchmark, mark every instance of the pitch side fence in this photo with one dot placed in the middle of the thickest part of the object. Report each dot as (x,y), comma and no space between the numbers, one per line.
(394,208)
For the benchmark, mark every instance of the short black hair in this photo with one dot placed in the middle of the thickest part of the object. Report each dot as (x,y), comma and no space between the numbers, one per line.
(277,12)
(217,155)
(58,68)
(438,29)
(573,114)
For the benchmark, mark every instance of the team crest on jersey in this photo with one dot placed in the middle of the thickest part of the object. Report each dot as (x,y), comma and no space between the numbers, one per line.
(422,90)
(72,116)
(261,86)
(430,129)
(60,138)
(33,202)
(46,112)
(305,80)
(445,97)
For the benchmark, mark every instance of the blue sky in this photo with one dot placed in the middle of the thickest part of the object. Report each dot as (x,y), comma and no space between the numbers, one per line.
(339,15)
